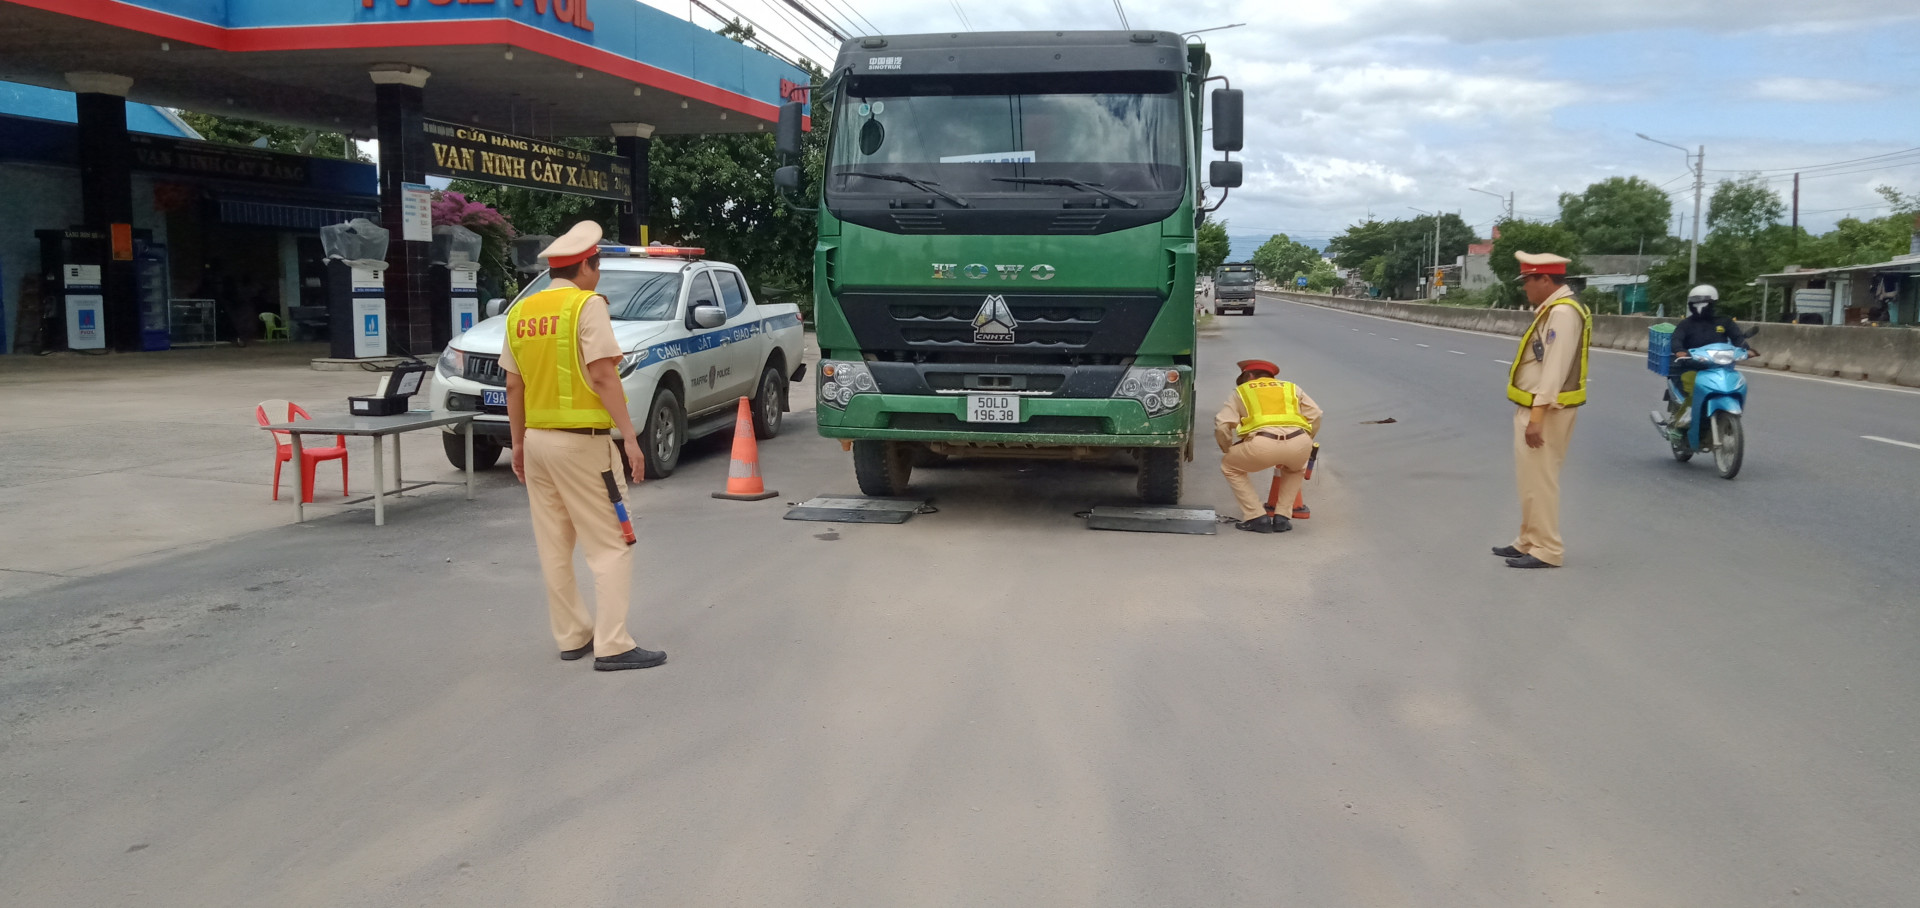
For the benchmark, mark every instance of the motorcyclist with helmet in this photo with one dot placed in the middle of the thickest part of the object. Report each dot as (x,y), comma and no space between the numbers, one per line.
(1701,327)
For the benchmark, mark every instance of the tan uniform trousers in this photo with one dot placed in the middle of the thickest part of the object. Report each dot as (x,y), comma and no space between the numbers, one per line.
(1259,453)
(570,505)
(1537,472)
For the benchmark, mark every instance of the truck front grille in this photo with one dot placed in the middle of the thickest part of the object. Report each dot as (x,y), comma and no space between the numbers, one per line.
(933,325)
(485,370)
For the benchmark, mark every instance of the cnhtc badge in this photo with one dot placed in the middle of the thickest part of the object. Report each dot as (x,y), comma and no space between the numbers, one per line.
(994,324)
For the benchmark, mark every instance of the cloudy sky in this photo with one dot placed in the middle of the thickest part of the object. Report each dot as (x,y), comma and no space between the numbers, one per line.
(1372,106)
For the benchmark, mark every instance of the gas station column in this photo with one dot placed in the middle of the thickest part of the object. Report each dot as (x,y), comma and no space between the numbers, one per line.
(106,195)
(399,98)
(633,141)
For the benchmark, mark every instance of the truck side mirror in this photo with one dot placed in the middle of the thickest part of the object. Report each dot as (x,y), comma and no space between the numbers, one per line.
(1229,119)
(1224,174)
(787,178)
(786,135)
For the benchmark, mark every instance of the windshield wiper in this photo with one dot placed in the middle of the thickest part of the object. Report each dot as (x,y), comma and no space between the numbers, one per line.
(916,183)
(1076,184)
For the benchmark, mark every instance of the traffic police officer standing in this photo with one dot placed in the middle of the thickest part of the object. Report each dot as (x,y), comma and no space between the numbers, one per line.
(1547,382)
(1268,424)
(562,365)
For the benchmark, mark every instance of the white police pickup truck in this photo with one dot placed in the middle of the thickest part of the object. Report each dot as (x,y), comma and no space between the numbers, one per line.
(696,342)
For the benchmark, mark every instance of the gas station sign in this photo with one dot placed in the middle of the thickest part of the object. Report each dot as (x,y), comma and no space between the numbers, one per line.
(472,153)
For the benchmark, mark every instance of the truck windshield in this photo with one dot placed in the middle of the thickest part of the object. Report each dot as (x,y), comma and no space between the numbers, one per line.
(633,296)
(1120,132)
(1235,277)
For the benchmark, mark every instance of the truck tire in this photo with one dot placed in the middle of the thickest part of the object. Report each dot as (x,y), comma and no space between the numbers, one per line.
(1159,480)
(662,436)
(486,451)
(882,468)
(769,401)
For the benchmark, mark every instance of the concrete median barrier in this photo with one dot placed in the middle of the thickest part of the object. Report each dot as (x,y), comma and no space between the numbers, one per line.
(1889,355)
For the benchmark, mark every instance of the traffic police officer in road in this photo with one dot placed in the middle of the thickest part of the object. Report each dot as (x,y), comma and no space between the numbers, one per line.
(1268,424)
(1547,382)
(564,400)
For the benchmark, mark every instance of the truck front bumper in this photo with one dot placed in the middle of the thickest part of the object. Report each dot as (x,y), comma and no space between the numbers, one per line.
(1044,422)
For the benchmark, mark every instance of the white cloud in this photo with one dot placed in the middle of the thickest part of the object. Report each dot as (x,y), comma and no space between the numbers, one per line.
(1798,89)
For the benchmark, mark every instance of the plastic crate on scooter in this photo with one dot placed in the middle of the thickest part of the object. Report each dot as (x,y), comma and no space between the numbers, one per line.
(1660,349)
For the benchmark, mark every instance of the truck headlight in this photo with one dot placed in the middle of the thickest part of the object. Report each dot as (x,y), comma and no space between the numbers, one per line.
(1158,388)
(453,363)
(840,381)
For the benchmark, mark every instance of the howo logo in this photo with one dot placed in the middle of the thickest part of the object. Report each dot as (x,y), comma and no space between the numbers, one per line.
(979,272)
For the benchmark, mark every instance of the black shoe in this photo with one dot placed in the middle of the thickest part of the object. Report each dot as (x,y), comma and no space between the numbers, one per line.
(568,655)
(1281,524)
(1507,551)
(633,658)
(1261,524)
(1528,561)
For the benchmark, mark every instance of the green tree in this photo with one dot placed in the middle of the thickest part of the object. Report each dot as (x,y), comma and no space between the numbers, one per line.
(1745,207)
(1323,278)
(1527,236)
(1213,247)
(1393,255)
(1615,215)
(1281,259)
(288,139)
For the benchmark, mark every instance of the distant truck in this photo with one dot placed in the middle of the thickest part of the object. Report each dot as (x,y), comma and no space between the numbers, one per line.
(1233,288)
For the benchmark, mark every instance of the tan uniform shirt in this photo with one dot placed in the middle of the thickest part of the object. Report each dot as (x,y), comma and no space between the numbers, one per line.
(1550,364)
(1226,423)
(595,330)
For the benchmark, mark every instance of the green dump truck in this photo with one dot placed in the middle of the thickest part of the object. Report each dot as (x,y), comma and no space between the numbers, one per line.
(1005,264)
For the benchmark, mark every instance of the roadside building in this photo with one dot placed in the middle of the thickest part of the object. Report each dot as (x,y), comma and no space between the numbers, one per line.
(1882,293)
(141,216)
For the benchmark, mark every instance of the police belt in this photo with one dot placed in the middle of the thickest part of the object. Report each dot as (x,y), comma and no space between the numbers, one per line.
(1266,434)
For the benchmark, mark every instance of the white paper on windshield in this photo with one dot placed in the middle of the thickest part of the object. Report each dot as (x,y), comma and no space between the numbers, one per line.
(992,157)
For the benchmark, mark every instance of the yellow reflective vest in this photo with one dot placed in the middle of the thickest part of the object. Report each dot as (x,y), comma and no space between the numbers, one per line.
(1566,398)
(1270,403)
(543,331)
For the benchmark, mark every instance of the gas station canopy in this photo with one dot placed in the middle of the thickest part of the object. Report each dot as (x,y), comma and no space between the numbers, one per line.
(531,67)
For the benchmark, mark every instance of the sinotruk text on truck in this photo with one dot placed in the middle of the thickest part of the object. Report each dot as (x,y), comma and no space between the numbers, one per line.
(1005,264)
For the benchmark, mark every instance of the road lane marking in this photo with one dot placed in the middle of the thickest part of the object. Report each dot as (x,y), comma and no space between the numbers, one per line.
(1419,345)
(1394,339)
(1636,354)
(1504,362)
(1889,441)
(1457,352)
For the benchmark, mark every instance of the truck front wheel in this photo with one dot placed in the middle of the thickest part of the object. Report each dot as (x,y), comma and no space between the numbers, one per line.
(882,467)
(1159,481)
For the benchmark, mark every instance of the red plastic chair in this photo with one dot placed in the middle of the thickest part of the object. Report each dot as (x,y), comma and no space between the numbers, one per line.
(310,458)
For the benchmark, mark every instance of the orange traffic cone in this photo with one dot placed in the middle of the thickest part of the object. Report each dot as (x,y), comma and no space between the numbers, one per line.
(743,475)
(1300,509)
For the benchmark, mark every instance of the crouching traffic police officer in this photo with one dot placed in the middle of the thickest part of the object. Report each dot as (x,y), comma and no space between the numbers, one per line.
(564,400)
(1547,382)
(1269,424)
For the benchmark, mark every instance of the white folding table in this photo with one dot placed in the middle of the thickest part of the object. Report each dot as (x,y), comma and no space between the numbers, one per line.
(379,428)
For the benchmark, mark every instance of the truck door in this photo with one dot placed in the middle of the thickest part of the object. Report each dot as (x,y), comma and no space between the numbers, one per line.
(705,358)
(743,355)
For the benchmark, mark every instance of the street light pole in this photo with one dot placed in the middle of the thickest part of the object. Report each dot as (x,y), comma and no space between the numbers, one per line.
(1433,279)
(1698,164)
(1506,199)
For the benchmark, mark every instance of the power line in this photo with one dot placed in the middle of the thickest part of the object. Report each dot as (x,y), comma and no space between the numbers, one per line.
(1123,14)
(828,13)
(1818,166)
(809,33)
(872,28)
(853,18)
(814,17)
(961,14)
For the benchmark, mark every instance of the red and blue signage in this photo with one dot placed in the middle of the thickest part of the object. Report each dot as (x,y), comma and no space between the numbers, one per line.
(623,38)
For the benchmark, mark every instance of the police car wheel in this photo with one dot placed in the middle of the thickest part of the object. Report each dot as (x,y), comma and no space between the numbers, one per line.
(486,451)
(769,401)
(663,435)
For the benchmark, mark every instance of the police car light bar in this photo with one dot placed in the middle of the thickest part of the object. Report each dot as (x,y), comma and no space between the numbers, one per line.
(686,252)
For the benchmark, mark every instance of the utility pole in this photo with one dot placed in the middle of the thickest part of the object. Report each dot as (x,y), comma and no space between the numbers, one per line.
(1796,204)
(1698,164)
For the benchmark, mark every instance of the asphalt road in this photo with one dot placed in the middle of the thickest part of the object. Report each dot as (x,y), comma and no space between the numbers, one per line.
(990,705)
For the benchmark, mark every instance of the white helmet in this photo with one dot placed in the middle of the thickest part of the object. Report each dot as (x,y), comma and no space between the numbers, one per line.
(1703,292)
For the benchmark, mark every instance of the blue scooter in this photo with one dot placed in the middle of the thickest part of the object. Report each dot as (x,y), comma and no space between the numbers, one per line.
(1712,421)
